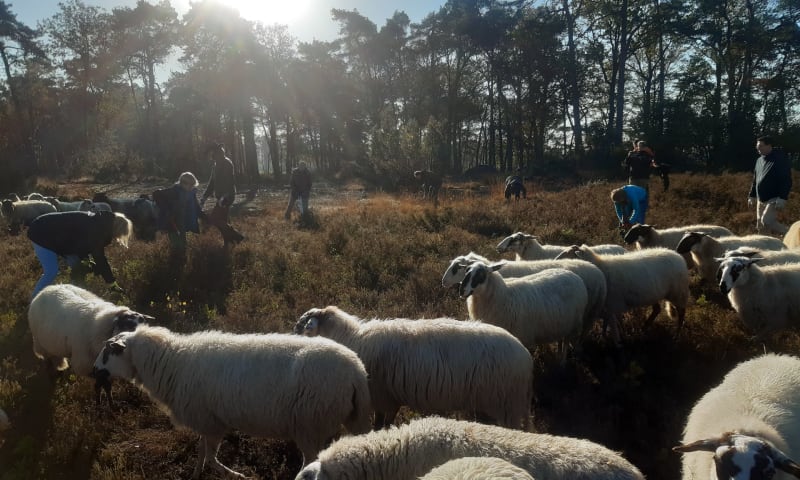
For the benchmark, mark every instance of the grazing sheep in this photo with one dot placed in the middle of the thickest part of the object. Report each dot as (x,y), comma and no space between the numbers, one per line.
(792,237)
(477,468)
(409,451)
(747,427)
(766,299)
(541,308)
(269,385)
(705,249)
(69,322)
(23,212)
(592,277)
(638,279)
(527,247)
(141,211)
(401,355)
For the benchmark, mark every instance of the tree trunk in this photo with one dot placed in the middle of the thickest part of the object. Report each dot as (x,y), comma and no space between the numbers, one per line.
(572,81)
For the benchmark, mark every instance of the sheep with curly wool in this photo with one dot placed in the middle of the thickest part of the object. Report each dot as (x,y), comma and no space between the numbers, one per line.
(421,364)
(541,308)
(592,277)
(706,250)
(68,322)
(267,385)
(412,450)
(22,213)
(747,427)
(638,279)
(477,468)
(527,247)
(765,299)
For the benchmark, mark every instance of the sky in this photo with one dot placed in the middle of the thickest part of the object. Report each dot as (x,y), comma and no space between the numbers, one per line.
(307,20)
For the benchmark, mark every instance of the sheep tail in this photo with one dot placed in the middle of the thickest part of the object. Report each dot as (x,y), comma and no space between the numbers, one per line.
(359,419)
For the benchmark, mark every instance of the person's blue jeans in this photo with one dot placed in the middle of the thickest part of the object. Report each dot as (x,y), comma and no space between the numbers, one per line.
(49,261)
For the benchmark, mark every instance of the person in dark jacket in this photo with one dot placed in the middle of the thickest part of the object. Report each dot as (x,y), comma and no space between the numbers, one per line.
(76,236)
(515,185)
(638,162)
(179,211)
(772,182)
(299,187)
(222,185)
(431,183)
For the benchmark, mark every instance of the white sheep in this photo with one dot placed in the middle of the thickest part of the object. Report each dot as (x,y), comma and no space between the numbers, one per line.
(765,299)
(541,308)
(766,257)
(638,279)
(422,364)
(477,468)
(527,247)
(69,322)
(592,277)
(268,385)
(747,427)
(409,451)
(706,250)
(648,236)
(23,212)
(792,237)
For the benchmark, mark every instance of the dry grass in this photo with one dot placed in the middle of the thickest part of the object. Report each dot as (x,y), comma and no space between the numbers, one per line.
(379,256)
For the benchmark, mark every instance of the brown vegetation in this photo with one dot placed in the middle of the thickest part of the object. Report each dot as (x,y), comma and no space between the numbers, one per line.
(384,256)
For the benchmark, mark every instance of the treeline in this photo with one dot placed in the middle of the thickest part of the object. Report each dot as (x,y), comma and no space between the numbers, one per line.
(564,83)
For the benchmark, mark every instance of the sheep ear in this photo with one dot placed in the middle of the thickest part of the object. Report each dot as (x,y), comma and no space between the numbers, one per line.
(497,265)
(707,445)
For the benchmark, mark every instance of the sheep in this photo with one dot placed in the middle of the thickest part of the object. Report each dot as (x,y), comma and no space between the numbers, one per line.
(13,197)
(270,385)
(540,308)
(141,211)
(766,257)
(640,278)
(747,427)
(401,355)
(23,212)
(592,277)
(648,236)
(69,322)
(765,299)
(477,468)
(792,237)
(527,247)
(79,205)
(406,452)
(705,249)
(34,196)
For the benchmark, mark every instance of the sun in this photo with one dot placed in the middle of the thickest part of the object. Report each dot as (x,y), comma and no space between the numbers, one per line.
(284,12)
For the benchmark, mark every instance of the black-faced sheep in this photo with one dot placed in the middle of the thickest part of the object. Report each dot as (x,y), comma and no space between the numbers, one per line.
(477,468)
(407,452)
(269,385)
(403,355)
(765,299)
(22,213)
(141,211)
(706,250)
(527,247)
(648,236)
(68,322)
(747,427)
(541,308)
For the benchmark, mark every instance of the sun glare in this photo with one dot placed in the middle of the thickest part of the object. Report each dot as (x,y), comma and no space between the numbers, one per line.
(271,11)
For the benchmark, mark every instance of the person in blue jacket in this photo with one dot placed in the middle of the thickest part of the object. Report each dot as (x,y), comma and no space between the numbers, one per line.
(179,211)
(630,205)
(772,181)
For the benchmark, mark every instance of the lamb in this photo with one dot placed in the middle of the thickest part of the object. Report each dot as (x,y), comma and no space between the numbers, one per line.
(747,427)
(765,299)
(477,468)
(705,250)
(421,363)
(23,212)
(792,237)
(409,451)
(541,308)
(640,278)
(69,322)
(592,277)
(270,385)
(527,247)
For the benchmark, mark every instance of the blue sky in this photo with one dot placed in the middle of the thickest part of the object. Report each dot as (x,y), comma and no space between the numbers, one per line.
(307,19)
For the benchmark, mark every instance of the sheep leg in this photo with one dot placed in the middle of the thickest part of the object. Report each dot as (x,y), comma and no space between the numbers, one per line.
(653,314)
(209,448)
(613,320)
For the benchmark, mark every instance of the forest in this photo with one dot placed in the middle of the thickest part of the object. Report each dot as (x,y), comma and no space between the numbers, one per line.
(543,85)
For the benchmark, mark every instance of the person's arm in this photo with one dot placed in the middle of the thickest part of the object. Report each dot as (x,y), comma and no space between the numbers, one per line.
(620,211)
(635,205)
(102,267)
(209,188)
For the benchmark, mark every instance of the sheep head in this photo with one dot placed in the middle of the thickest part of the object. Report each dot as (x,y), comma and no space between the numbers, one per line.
(731,270)
(477,274)
(636,232)
(689,240)
(455,272)
(128,321)
(742,457)
(310,322)
(515,242)
(573,251)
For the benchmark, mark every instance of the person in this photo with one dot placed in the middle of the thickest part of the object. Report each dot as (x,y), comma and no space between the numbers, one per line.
(630,205)
(77,236)
(638,162)
(663,172)
(431,182)
(515,185)
(299,187)
(772,181)
(222,185)
(179,211)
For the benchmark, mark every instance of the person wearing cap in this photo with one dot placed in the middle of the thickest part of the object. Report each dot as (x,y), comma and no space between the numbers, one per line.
(299,187)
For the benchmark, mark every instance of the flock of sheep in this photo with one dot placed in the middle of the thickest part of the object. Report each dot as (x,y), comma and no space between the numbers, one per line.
(338,370)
